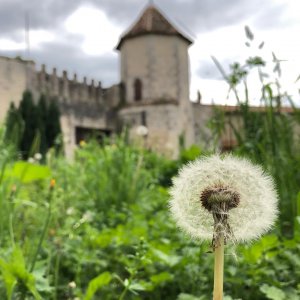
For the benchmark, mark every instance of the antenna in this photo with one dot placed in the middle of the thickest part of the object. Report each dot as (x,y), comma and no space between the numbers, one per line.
(27,51)
(27,40)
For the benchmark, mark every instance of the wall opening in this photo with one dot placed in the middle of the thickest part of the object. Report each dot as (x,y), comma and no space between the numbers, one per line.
(85,134)
(138,86)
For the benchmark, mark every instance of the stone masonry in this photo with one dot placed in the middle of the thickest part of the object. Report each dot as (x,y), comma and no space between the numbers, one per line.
(153,92)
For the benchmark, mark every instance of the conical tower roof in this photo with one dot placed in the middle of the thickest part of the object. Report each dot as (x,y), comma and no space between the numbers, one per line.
(152,21)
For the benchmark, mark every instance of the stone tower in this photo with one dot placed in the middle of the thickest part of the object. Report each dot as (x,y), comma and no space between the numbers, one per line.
(155,81)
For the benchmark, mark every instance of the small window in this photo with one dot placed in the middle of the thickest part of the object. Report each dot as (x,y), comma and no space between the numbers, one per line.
(137,90)
(143,118)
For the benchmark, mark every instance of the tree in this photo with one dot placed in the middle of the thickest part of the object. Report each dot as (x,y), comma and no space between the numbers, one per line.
(53,129)
(42,112)
(14,126)
(34,127)
(29,114)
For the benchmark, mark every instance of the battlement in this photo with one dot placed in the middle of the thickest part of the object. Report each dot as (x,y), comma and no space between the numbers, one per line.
(66,89)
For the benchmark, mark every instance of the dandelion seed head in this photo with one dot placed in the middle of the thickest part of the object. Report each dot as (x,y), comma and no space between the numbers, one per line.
(38,156)
(252,206)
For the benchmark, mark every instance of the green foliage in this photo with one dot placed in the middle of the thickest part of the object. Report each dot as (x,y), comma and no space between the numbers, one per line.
(27,172)
(96,284)
(52,125)
(267,134)
(33,128)
(42,126)
(104,232)
(29,114)
(14,126)
(15,274)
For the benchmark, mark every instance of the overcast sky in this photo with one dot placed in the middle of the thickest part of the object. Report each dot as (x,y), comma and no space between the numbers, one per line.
(80,35)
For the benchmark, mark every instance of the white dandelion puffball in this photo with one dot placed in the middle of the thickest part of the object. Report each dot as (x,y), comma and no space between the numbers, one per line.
(250,197)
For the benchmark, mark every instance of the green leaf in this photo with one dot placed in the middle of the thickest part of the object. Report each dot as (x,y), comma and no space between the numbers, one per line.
(14,271)
(170,260)
(273,292)
(27,172)
(184,296)
(97,283)
(137,286)
(161,277)
(9,279)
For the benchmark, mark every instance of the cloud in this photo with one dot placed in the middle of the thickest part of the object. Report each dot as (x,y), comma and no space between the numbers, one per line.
(100,35)
(59,39)
(70,57)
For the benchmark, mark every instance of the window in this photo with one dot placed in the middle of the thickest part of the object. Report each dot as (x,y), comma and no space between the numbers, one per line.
(144,118)
(137,90)
(85,134)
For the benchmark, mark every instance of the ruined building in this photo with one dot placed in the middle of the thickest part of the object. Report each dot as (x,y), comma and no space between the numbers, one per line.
(153,92)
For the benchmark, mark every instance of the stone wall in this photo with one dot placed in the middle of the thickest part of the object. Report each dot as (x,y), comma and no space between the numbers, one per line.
(161,122)
(81,104)
(15,76)
(160,62)
(202,115)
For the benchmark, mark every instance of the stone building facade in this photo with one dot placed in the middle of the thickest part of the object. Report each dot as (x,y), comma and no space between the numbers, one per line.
(153,92)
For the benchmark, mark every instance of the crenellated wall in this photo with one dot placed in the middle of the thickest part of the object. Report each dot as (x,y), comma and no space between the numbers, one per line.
(82,104)
(66,89)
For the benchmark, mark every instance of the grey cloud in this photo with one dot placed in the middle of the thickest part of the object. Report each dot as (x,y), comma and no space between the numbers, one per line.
(102,68)
(45,14)
(191,16)
(68,56)
(195,15)
(208,70)
(274,17)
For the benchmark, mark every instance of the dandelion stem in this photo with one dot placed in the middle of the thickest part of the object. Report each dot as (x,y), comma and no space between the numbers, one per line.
(219,269)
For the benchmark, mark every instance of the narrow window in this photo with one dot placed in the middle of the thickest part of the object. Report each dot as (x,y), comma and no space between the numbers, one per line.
(144,118)
(137,90)
(122,93)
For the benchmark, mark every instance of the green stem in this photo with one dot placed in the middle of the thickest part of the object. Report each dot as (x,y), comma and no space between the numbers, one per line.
(42,237)
(11,229)
(11,211)
(126,287)
(56,274)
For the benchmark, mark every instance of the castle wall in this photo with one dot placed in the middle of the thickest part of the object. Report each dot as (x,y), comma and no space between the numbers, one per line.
(15,76)
(81,104)
(201,116)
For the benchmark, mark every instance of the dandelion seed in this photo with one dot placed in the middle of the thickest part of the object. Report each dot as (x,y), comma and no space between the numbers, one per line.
(31,160)
(38,156)
(142,130)
(72,284)
(221,199)
(226,194)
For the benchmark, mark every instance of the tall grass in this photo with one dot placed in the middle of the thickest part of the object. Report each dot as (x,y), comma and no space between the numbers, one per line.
(268,134)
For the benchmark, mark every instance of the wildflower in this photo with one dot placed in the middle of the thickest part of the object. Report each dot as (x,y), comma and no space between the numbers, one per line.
(72,284)
(31,160)
(142,131)
(52,183)
(13,188)
(70,211)
(223,195)
(38,156)
(82,143)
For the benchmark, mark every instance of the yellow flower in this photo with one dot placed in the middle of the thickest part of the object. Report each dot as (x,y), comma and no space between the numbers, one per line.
(52,183)
(82,143)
